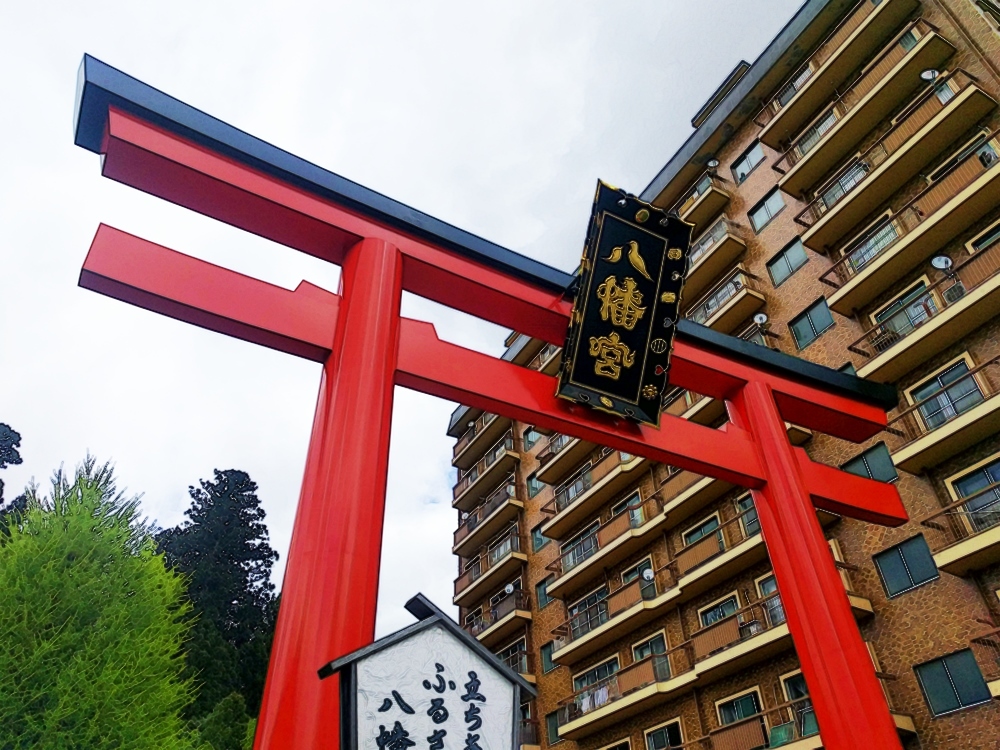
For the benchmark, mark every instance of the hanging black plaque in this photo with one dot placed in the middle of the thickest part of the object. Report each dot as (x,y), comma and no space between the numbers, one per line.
(620,337)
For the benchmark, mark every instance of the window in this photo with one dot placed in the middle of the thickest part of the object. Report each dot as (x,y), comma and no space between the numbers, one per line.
(849,368)
(746,163)
(700,531)
(546,651)
(655,645)
(792,87)
(719,611)
(830,195)
(906,566)
(542,593)
(552,728)
(631,504)
(515,656)
(538,539)
(515,585)
(768,587)
(901,316)
(530,437)
(952,682)
(977,145)
(596,674)
(803,713)
(664,737)
(647,586)
(787,262)
(534,485)
(908,41)
(987,239)
(874,463)
(589,612)
(737,709)
(982,487)
(807,327)
(944,396)
(761,214)
(813,135)
(749,520)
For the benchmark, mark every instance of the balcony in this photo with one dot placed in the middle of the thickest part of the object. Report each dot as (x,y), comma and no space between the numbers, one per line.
(843,51)
(986,648)
(900,242)
(561,456)
(695,407)
(528,734)
(968,537)
(749,636)
(944,313)
(704,201)
(521,662)
(735,546)
(481,434)
(583,494)
(502,621)
(547,360)
(477,483)
(614,541)
(729,303)
(950,420)
(933,121)
(489,519)
(492,567)
(713,253)
(885,84)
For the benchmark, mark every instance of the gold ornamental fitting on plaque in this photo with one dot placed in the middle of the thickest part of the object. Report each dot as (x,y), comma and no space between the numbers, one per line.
(641,215)
(674,254)
(658,346)
(668,297)
(650,391)
(607,401)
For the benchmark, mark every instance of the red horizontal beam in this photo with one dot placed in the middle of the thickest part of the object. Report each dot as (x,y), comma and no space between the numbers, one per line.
(302,322)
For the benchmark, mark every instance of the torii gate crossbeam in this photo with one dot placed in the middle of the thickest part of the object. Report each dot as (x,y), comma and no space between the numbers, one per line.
(168,149)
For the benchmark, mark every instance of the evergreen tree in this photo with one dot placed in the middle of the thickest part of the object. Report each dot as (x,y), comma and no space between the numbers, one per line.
(91,624)
(223,551)
(10,441)
(225,728)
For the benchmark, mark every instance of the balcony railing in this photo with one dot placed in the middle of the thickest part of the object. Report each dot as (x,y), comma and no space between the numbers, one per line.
(709,239)
(720,294)
(854,92)
(934,300)
(734,531)
(679,401)
(496,612)
(519,661)
(467,478)
(704,184)
(539,360)
(470,434)
(827,47)
(528,733)
(604,463)
(506,544)
(861,252)
(918,113)
(946,404)
(556,443)
(502,494)
(610,530)
(744,623)
(773,727)
(965,518)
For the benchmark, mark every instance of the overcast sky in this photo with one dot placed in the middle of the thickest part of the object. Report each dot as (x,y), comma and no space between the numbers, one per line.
(497,117)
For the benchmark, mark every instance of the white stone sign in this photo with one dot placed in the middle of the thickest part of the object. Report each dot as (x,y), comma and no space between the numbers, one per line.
(431,691)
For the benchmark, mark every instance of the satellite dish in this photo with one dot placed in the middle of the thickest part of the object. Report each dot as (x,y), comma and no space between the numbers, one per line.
(648,574)
(509,588)
(760,319)
(713,163)
(941,262)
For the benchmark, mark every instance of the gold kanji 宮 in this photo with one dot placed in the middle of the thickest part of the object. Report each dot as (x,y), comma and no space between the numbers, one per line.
(621,303)
(611,355)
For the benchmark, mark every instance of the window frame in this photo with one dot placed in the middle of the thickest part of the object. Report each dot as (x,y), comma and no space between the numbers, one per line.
(941,659)
(679,721)
(593,668)
(925,279)
(541,656)
(743,157)
(896,547)
(702,522)
(642,641)
(552,716)
(862,457)
(780,255)
(533,478)
(736,696)
(712,605)
(952,480)
(816,334)
(970,246)
(548,599)
(537,529)
(927,377)
(524,437)
(760,204)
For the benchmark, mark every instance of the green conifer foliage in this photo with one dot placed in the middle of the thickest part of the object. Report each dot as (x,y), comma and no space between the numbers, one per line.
(92,625)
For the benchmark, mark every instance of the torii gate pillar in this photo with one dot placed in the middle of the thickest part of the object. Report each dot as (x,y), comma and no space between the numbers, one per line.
(337,541)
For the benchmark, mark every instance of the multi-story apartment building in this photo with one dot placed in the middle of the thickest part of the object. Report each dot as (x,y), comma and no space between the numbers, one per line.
(846,186)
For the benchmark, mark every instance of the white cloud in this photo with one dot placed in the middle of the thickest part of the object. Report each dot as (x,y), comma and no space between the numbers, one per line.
(497,117)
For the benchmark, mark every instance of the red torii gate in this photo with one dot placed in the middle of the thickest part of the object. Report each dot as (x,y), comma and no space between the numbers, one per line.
(159,145)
